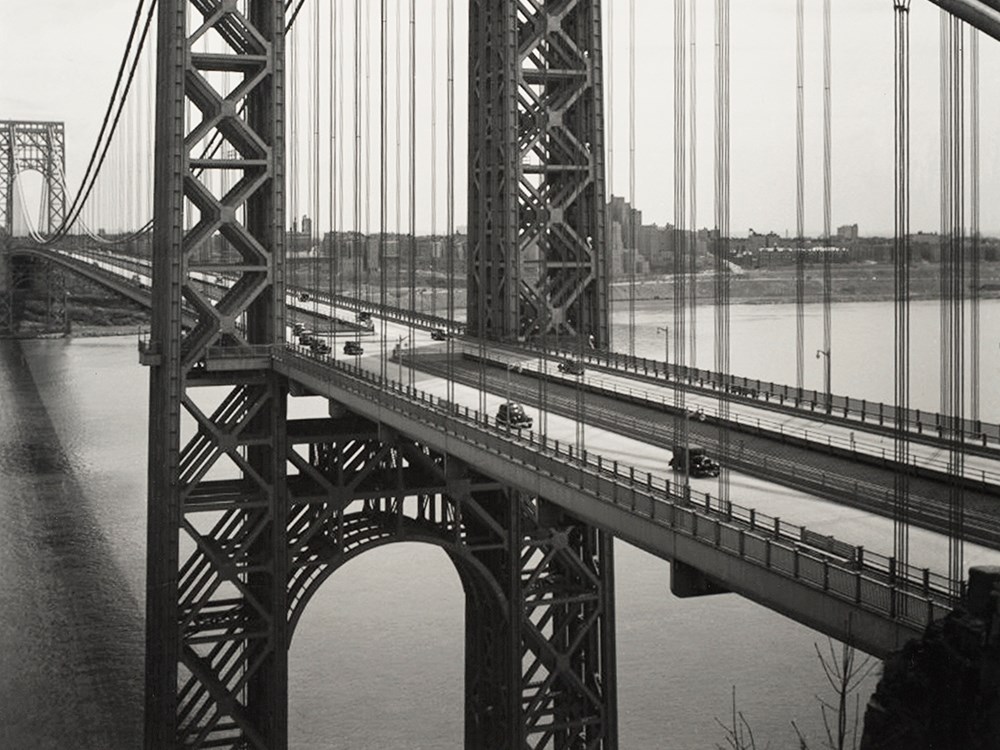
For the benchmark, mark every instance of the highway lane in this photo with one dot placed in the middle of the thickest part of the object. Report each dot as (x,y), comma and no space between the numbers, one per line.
(928,549)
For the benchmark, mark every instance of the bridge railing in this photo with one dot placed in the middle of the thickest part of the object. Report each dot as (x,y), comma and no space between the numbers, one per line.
(815,480)
(916,420)
(845,571)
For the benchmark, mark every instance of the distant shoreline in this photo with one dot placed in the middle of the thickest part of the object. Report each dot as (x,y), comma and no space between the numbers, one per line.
(849,283)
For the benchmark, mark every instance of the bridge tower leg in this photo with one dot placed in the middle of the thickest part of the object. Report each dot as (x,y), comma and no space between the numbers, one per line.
(544,676)
(216,627)
(538,262)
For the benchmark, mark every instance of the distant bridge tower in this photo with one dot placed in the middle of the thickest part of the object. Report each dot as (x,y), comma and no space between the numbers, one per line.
(32,146)
(249,512)
(27,146)
(537,245)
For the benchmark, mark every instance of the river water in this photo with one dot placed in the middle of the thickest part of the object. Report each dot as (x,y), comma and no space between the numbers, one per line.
(377,657)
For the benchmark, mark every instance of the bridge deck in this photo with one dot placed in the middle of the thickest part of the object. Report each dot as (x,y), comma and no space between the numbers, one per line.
(831,590)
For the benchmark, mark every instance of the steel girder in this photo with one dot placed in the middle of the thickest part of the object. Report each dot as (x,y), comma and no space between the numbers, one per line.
(216,631)
(537,245)
(540,659)
(32,146)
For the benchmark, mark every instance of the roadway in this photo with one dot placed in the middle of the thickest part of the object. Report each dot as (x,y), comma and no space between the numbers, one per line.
(770,440)
(804,573)
(822,582)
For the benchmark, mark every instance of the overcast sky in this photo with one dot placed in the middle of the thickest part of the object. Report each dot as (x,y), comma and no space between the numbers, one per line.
(59,61)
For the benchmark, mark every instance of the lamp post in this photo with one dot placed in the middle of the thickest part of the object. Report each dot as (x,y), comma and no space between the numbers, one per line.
(666,348)
(826,375)
(510,366)
(399,354)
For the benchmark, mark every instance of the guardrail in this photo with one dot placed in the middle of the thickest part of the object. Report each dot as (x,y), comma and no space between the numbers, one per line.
(919,421)
(845,446)
(849,572)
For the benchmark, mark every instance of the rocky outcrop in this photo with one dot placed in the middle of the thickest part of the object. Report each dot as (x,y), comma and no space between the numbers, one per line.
(942,692)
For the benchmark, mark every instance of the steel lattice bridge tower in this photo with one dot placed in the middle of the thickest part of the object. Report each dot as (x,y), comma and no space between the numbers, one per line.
(537,260)
(249,511)
(32,146)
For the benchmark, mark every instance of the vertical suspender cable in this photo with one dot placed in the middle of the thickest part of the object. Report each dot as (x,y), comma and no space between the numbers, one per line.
(340,94)
(945,200)
(334,194)
(632,215)
(901,279)
(412,176)
(799,192)
(398,176)
(827,205)
(314,168)
(383,207)
(975,248)
(693,190)
(955,336)
(357,238)
(366,128)
(434,238)
(610,146)
(722,214)
(450,207)
(679,235)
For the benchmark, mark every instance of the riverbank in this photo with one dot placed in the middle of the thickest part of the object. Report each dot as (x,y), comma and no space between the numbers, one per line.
(849,283)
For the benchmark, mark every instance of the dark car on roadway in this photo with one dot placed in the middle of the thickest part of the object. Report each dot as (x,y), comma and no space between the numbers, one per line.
(694,461)
(318,346)
(354,348)
(304,296)
(571,367)
(439,334)
(305,337)
(513,415)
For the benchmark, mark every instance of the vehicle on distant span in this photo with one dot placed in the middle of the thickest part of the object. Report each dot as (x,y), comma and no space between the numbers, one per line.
(363,317)
(439,334)
(742,390)
(513,415)
(318,346)
(571,367)
(305,337)
(353,348)
(304,296)
(298,328)
(694,461)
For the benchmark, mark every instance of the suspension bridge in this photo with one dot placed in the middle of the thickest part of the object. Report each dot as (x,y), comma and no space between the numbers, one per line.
(267,110)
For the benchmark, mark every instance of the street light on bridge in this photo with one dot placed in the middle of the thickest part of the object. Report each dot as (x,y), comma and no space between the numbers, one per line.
(826,375)
(666,348)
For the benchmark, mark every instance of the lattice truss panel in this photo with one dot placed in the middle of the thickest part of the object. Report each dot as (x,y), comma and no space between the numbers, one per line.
(493,268)
(229,148)
(537,224)
(534,681)
(225,609)
(560,190)
(39,147)
(216,653)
